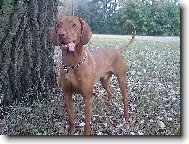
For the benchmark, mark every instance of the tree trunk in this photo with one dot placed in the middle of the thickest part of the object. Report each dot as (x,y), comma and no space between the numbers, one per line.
(26,54)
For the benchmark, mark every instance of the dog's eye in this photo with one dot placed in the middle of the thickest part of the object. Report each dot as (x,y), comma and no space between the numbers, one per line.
(73,25)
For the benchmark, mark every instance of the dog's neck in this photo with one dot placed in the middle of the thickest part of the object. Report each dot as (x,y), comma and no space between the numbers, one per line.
(72,58)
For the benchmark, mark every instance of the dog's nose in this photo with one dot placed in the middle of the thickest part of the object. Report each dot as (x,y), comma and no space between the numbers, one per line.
(62,34)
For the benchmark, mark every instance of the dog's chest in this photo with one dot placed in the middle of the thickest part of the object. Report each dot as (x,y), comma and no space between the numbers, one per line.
(72,81)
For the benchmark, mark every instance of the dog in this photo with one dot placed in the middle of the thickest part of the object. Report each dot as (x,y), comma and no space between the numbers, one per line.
(81,69)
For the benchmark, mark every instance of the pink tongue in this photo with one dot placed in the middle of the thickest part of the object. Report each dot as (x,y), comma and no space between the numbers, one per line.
(71,46)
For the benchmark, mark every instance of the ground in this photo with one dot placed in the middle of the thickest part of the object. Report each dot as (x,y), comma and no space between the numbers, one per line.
(153,85)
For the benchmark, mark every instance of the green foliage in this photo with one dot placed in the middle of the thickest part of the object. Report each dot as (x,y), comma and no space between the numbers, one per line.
(111,17)
(101,15)
(160,19)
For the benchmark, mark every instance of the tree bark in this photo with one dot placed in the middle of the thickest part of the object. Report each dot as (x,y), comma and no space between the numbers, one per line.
(26,54)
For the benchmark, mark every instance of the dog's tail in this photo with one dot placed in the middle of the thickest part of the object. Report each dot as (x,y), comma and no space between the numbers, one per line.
(133,37)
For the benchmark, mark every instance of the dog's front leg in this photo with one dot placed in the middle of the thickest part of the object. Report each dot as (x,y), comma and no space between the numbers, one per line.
(88,100)
(69,107)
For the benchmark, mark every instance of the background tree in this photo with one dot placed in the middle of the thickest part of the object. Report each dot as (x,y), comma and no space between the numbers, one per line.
(26,54)
(102,15)
(150,17)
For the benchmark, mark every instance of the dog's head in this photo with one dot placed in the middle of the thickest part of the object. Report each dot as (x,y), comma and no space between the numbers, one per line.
(70,31)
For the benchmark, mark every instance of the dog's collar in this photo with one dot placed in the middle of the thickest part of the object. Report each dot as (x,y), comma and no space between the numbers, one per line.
(67,68)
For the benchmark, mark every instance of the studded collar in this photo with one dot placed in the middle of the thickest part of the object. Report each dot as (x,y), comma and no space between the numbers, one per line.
(67,68)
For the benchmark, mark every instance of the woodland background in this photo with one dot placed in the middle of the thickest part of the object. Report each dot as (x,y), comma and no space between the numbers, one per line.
(151,17)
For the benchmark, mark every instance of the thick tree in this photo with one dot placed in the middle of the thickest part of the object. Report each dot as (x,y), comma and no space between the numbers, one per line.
(26,54)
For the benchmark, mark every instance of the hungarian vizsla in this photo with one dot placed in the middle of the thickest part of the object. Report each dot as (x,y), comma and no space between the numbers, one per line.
(81,69)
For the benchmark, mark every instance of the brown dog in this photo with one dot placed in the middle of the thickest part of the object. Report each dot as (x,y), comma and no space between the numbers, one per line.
(80,70)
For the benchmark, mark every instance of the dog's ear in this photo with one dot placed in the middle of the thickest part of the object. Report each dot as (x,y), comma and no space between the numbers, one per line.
(54,36)
(85,32)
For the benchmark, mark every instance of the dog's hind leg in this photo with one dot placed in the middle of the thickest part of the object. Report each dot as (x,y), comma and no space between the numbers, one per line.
(106,85)
(122,85)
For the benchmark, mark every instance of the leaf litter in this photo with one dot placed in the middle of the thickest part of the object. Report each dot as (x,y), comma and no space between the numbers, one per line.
(153,86)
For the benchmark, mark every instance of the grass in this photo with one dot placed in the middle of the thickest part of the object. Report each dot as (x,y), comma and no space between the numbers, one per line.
(153,86)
